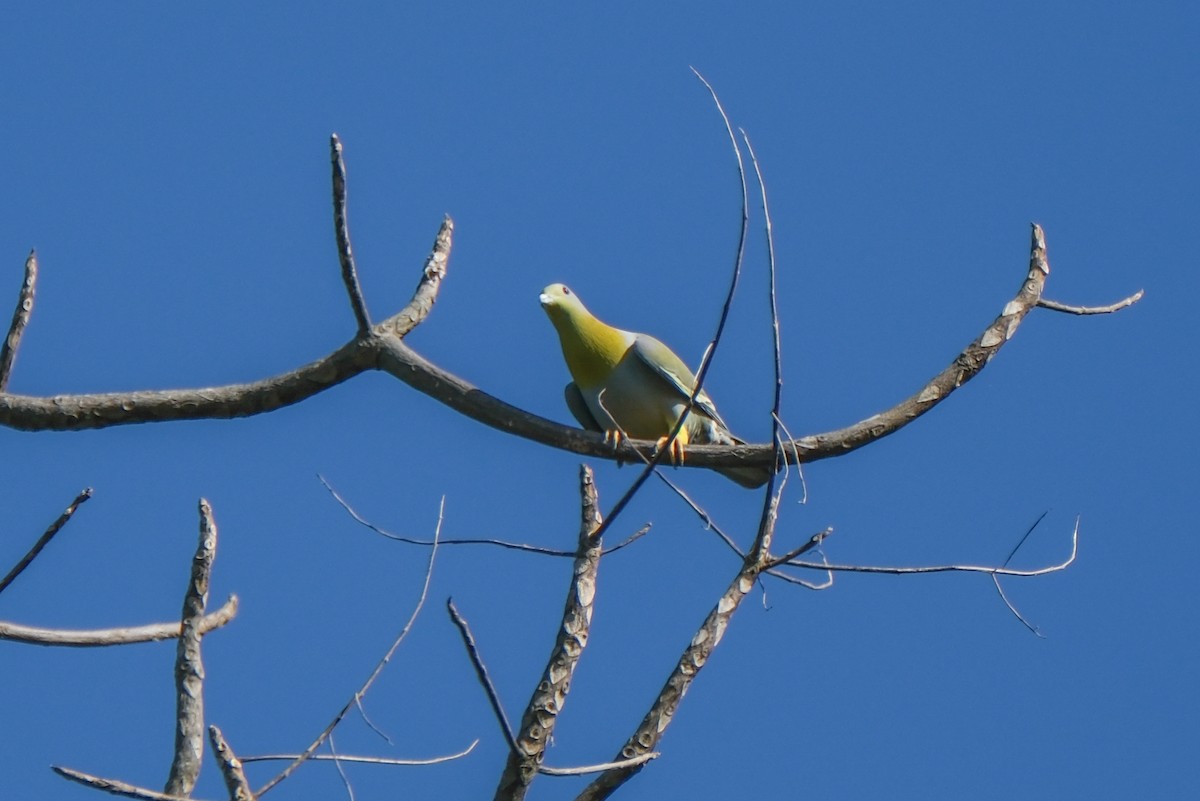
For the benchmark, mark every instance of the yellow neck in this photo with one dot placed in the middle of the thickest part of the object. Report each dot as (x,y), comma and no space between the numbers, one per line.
(590,348)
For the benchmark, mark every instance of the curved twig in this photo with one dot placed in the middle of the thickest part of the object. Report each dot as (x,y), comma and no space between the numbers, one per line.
(512,546)
(1054,305)
(657,453)
(97,638)
(365,760)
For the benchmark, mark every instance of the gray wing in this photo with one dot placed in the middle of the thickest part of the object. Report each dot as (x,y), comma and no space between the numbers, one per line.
(579,409)
(663,361)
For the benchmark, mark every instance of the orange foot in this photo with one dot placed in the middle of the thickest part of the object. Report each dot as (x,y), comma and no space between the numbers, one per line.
(614,438)
(676,454)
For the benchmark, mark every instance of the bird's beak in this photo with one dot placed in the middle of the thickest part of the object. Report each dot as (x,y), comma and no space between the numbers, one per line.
(545,299)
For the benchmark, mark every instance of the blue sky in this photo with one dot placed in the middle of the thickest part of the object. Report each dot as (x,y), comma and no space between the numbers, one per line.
(171,168)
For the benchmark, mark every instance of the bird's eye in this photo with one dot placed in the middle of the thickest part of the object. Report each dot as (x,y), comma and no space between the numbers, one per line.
(566,290)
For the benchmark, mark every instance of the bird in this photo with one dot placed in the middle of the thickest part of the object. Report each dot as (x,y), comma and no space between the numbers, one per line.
(627,384)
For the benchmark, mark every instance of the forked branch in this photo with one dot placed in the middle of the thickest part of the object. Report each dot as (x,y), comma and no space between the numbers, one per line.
(382,348)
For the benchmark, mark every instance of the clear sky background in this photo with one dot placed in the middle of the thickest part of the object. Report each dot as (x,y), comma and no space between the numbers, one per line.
(171,168)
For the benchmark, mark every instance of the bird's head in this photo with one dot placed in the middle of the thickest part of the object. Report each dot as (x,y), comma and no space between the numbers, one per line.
(562,304)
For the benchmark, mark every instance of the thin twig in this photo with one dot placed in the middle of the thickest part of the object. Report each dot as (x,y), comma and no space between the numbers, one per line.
(703,514)
(24,310)
(189,667)
(115,787)
(481,672)
(513,546)
(778,431)
(550,695)
(603,766)
(991,570)
(367,760)
(337,763)
(231,767)
(97,638)
(1054,305)
(342,234)
(362,713)
(814,541)
(711,350)
(996,579)
(366,685)
(44,540)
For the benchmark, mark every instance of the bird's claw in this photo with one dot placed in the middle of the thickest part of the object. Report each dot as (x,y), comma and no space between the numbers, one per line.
(676,450)
(613,438)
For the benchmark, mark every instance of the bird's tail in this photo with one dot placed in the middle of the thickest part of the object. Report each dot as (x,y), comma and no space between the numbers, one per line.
(748,477)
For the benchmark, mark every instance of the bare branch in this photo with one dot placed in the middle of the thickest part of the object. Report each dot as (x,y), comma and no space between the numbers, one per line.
(24,310)
(550,695)
(366,685)
(965,366)
(399,360)
(423,299)
(115,787)
(695,656)
(189,668)
(382,350)
(95,638)
(1054,305)
(586,769)
(44,540)
(231,767)
(79,412)
(342,234)
(366,760)
(481,672)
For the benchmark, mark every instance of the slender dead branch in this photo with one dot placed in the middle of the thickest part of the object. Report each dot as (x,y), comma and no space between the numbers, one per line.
(24,310)
(367,760)
(771,495)
(550,695)
(366,685)
(512,546)
(44,540)
(115,787)
(464,630)
(189,667)
(657,453)
(603,766)
(990,570)
(342,234)
(96,638)
(231,767)
(1054,305)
